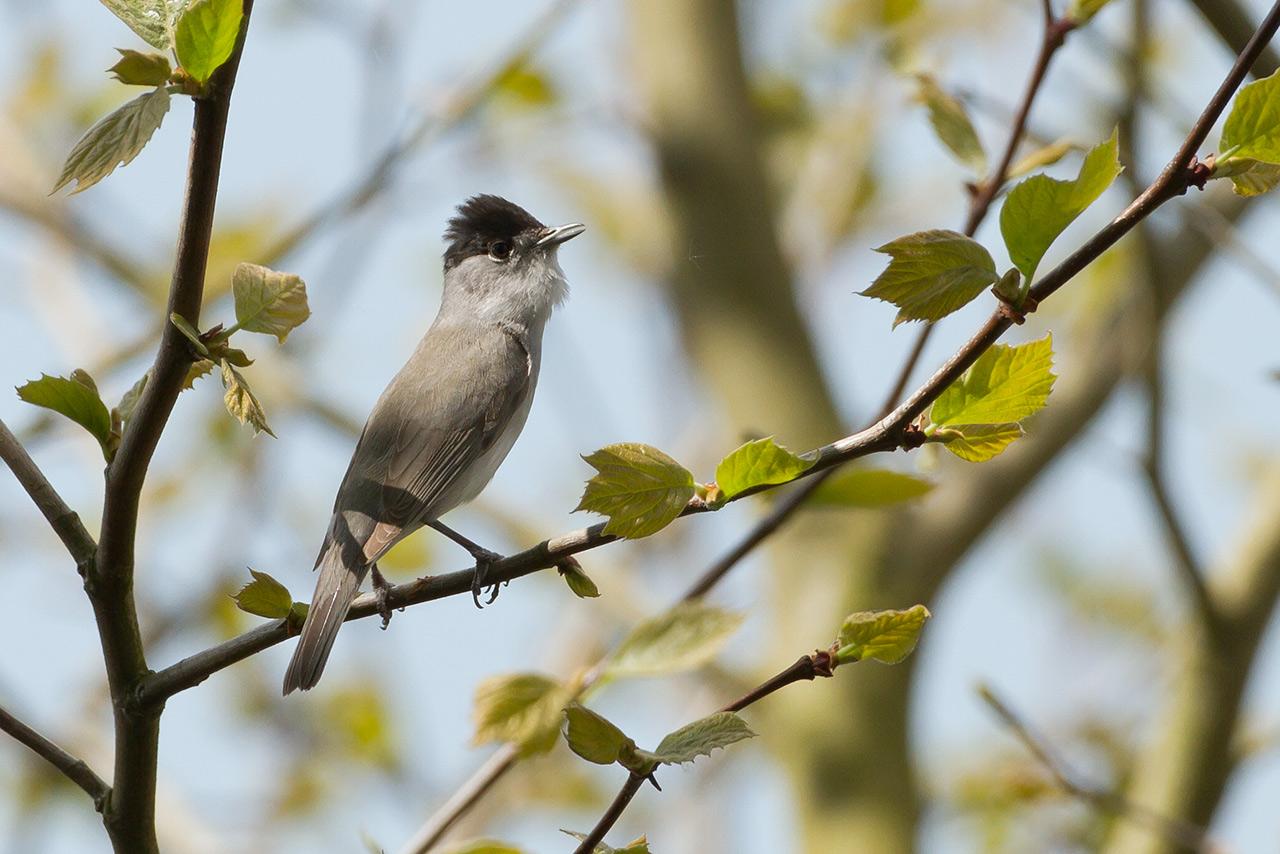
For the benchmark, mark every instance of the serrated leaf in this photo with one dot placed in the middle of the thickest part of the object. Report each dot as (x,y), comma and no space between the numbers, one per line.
(579,582)
(76,398)
(129,402)
(205,36)
(148,18)
(885,636)
(932,273)
(638,487)
(524,709)
(269,302)
(1045,155)
(639,845)
(240,401)
(977,443)
(951,123)
(1080,11)
(1040,208)
(593,737)
(870,488)
(701,737)
(758,463)
(198,369)
(141,69)
(687,636)
(1006,384)
(264,596)
(114,141)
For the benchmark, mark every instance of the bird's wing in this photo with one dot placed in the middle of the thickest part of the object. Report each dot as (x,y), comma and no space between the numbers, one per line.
(435,419)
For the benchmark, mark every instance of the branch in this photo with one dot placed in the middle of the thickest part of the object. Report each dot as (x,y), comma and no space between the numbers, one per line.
(64,521)
(885,435)
(1185,834)
(130,813)
(74,769)
(807,668)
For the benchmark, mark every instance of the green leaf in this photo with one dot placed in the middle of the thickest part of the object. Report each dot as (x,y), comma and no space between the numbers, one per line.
(205,36)
(1255,178)
(76,398)
(758,463)
(199,368)
(870,488)
(114,141)
(1252,129)
(141,69)
(885,636)
(264,596)
(1040,208)
(639,845)
(240,401)
(579,582)
(484,846)
(932,273)
(129,402)
(687,636)
(951,123)
(638,487)
(524,709)
(1080,11)
(1046,155)
(592,737)
(269,302)
(701,737)
(189,332)
(523,85)
(1006,384)
(977,443)
(148,18)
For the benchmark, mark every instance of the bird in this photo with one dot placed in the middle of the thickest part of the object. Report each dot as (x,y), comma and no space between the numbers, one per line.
(448,419)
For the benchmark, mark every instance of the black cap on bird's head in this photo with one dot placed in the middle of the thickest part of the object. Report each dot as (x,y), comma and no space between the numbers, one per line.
(491,225)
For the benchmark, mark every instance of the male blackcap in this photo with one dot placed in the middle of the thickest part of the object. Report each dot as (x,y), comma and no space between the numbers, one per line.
(448,418)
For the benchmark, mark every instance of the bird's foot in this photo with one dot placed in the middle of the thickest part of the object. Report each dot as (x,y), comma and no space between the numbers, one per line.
(381,590)
(485,560)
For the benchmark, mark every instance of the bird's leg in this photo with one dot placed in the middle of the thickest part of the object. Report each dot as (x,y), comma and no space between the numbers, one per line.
(381,587)
(484,560)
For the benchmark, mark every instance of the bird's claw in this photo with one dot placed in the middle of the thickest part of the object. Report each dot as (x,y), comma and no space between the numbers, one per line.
(381,592)
(485,559)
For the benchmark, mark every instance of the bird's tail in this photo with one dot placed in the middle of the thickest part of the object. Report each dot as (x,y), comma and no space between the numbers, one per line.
(336,589)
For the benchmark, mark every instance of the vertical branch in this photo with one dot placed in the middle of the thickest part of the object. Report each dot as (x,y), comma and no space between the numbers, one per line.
(130,812)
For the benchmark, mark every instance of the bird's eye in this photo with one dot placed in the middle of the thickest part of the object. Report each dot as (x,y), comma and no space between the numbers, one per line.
(500,250)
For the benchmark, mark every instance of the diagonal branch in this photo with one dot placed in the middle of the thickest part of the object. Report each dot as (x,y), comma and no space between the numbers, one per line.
(1185,835)
(64,521)
(74,769)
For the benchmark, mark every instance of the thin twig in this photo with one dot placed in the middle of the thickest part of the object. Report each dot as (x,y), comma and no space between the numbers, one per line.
(611,816)
(1183,833)
(72,767)
(64,521)
(806,668)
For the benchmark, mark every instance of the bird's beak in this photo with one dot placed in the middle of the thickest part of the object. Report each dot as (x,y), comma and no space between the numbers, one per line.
(559,234)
